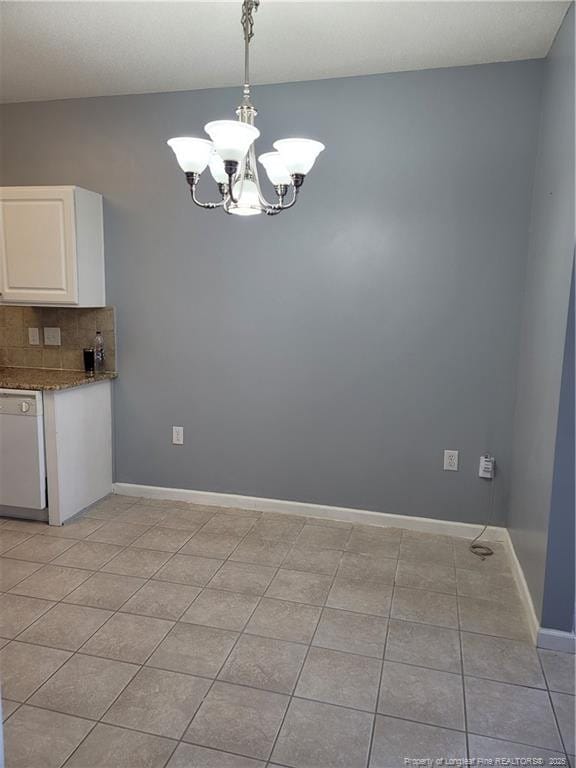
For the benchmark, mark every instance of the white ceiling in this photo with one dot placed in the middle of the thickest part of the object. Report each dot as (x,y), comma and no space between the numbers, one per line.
(58,50)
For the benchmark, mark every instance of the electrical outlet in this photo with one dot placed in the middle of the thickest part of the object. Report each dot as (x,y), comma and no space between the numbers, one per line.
(33,336)
(52,337)
(451,461)
(177,435)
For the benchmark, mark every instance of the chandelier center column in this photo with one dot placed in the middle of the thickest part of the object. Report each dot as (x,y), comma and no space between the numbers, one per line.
(249,8)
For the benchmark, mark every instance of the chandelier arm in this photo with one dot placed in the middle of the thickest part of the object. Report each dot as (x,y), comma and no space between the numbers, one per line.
(281,189)
(292,202)
(200,204)
(273,210)
(192,179)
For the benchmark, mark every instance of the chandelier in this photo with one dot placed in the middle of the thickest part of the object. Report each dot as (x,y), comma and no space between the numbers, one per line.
(231,157)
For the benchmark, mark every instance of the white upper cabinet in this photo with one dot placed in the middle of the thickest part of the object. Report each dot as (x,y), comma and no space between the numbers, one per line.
(51,246)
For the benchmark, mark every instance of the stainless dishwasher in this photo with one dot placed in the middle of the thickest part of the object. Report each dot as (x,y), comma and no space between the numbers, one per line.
(22,459)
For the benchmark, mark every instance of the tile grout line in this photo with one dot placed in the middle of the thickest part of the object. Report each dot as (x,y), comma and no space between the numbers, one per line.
(309,645)
(202,587)
(463,681)
(207,586)
(78,650)
(172,553)
(253,687)
(551,701)
(373,731)
(291,696)
(259,689)
(213,680)
(25,703)
(242,632)
(141,666)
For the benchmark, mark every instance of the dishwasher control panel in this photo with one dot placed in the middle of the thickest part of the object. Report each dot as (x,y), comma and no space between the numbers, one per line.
(17,403)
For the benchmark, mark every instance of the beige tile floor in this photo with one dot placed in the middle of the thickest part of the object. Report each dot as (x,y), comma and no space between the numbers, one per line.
(150,634)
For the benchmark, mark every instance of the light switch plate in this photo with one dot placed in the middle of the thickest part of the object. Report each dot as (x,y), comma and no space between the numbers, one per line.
(52,337)
(33,336)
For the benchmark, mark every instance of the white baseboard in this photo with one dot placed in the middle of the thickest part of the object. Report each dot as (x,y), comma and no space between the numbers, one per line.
(555,640)
(522,586)
(345,514)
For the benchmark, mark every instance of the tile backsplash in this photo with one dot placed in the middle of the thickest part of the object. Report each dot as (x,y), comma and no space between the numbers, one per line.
(77,330)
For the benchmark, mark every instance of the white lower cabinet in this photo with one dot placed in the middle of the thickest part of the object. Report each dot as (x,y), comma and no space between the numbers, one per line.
(51,247)
(78,437)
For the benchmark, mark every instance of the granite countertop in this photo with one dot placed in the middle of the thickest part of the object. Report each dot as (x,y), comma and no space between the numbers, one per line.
(48,379)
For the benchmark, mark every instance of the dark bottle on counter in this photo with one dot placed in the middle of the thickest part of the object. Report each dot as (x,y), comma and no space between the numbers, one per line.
(88,354)
(99,352)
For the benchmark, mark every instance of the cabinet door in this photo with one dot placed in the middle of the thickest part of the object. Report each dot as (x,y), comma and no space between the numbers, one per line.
(38,245)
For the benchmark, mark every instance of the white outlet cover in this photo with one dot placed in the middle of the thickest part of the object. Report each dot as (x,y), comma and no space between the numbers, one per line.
(178,435)
(451,461)
(33,336)
(52,337)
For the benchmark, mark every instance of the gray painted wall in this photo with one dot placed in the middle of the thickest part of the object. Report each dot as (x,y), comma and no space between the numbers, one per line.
(550,257)
(559,597)
(330,354)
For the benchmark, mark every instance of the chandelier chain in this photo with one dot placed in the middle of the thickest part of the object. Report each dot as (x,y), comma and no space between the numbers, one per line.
(249,7)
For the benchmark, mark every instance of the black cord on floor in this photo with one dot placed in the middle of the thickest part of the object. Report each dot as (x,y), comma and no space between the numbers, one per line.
(482,550)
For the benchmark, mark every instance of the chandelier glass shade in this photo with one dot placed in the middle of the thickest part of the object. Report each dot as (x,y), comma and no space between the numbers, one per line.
(231,157)
(193,155)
